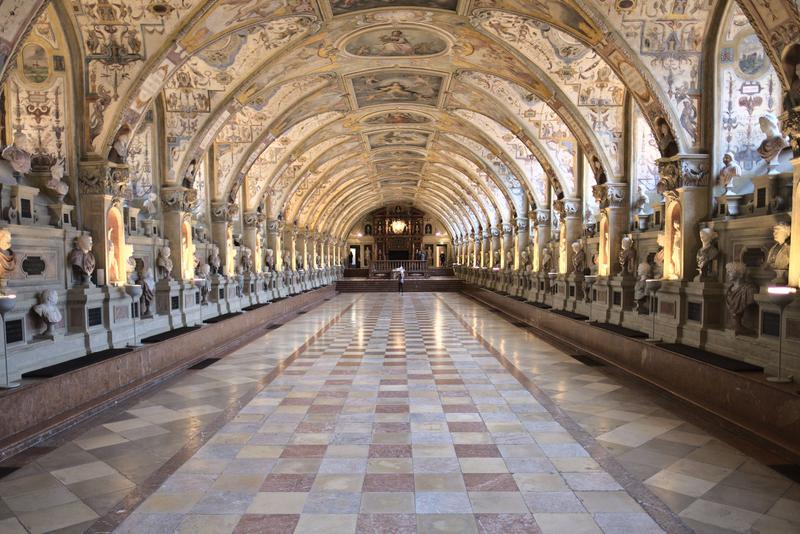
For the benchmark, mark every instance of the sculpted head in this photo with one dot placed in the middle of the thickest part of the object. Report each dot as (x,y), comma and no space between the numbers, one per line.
(707,235)
(735,270)
(5,239)
(781,232)
(769,125)
(627,242)
(166,252)
(85,242)
(50,297)
(576,246)
(643,269)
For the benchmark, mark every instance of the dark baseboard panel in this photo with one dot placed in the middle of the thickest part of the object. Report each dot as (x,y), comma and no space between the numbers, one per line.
(768,412)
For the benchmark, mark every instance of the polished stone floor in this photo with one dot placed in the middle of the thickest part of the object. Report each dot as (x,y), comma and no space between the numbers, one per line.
(390,413)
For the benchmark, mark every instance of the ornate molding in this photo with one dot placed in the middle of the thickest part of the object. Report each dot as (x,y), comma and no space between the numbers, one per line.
(617,195)
(494,231)
(179,199)
(572,207)
(507,229)
(790,123)
(223,212)
(104,178)
(543,217)
(682,171)
(522,224)
(254,218)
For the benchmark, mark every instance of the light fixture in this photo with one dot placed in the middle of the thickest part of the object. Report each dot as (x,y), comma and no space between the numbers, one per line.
(781,296)
(398,226)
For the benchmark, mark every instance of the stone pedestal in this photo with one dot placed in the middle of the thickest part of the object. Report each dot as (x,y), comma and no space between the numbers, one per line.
(670,314)
(250,289)
(61,215)
(87,315)
(601,300)
(620,297)
(575,291)
(190,303)
(704,304)
(168,302)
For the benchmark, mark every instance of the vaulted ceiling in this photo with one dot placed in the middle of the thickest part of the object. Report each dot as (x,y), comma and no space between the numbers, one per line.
(320,111)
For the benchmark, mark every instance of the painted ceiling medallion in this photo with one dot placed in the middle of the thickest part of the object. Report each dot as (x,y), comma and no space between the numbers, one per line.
(397,87)
(396,42)
(341,7)
(397,117)
(398,137)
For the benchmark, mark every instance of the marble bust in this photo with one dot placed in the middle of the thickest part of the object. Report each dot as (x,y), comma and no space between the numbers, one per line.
(774,142)
(8,261)
(247,260)
(164,263)
(627,257)
(729,171)
(269,259)
(578,258)
(214,260)
(82,260)
(547,259)
(509,260)
(148,283)
(643,272)
(56,182)
(17,154)
(739,293)
(708,254)
(778,256)
(48,311)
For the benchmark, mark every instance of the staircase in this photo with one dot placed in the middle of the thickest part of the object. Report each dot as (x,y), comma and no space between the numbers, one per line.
(362,285)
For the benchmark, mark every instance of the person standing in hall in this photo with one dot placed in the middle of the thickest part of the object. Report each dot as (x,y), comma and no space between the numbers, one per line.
(401,275)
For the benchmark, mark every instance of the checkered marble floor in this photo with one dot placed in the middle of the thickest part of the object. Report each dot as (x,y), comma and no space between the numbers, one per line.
(396,420)
(389,413)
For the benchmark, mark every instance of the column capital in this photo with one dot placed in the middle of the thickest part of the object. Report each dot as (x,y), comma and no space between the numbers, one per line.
(522,224)
(617,194)
(507,229)
(254,218)
(543,217)
(274,226)
(179,199)
(572,207)
(682,170)
(102,177)
(494,231)
(222,211)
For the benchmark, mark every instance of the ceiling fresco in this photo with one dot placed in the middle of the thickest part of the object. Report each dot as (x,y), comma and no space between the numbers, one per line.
(318,110)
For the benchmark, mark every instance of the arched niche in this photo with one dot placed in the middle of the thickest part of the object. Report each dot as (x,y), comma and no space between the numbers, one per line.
(187,250)
(537,257)
(673,244)
(230,255)
(563,256)
(117,252)
(604,253)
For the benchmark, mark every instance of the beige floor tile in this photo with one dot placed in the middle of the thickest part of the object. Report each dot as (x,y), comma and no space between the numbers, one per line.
(575,465)
(277,503)
(680,483)
(446,524)
(327,523)
(438,482)
(608,501)
(786,509)
(483,465)
(540,482)
(97,442)
(175,503)
(497,502)
(58,517)
(40,500)
(389,465)
(260,451)
(387,503)
(239,482)
(208,524)
(11,526)
(79,473)
(336,482)
(127,424)
(567,523)
(702,470)
(721,515)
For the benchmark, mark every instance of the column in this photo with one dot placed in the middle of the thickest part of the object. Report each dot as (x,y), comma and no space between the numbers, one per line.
(221,219)
(274,230)
(543,227)
(684,183)
(522,241)
(495,245)
(573,221)
(253,221)
(507,243)
(618,217)
(486,250)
